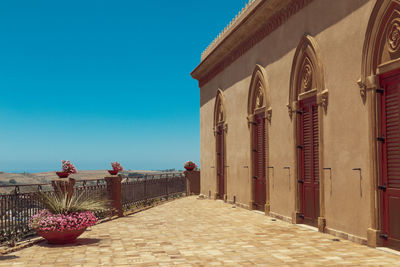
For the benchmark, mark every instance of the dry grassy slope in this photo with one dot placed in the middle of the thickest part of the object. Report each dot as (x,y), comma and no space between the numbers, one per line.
(46,177)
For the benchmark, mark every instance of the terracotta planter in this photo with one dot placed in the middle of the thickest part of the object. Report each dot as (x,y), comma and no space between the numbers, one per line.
(64,237)
(62,174)
(189,168)
(113,172)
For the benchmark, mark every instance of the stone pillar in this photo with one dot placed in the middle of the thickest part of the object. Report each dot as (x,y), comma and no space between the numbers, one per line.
(369,95)
(267,208)
(64,186)
(321,224)
(192,182)
(114,189)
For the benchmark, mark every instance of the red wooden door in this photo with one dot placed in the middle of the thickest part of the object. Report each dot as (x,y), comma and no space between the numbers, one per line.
(390,139)
(259,162)
(309,161)
(221,161)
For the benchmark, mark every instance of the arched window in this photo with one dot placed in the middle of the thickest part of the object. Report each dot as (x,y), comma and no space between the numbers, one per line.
(220,128)
(259,112)
(307,101)
(380,89)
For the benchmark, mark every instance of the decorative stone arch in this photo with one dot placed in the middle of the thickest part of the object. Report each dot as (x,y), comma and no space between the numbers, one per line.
(307,80)
(381,49)
(219,109)
(380,55)
(307,75)
(259,98)
(220,130)
(259,111)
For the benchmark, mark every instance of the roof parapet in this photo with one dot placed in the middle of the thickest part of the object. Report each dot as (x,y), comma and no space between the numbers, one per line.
(230,25)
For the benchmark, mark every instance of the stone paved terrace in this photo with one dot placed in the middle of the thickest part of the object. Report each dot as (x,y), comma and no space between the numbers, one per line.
(192,232)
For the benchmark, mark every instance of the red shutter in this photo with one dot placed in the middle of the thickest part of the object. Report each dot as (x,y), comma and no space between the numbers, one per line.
(220,161)
(262,160)
(393,137)
(255,163)
(309,160)
(259,161)
(390,130)
(315,159)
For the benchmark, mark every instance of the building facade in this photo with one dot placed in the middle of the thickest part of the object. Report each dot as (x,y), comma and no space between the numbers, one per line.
(300,115)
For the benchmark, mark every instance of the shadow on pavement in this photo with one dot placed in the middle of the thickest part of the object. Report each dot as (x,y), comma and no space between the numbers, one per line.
(78,242)
(8,257)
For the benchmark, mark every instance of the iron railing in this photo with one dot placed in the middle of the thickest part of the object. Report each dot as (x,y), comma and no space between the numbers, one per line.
(139,190)
(21,203)
(93,189)
(16,208)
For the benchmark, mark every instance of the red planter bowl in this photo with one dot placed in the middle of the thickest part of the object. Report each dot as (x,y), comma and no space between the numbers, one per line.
(189,168)
(64,237)
(113,172)
(62,174)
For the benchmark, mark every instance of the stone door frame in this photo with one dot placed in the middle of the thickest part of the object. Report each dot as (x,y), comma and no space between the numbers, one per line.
(380,55)
(307,79)
(220,123)
(259,101)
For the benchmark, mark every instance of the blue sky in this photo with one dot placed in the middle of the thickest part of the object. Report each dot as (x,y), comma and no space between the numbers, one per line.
(101,81)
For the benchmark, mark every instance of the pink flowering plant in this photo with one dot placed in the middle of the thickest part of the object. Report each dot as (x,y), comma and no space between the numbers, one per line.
(190,164)
(63,211)
(45,221)
(116,166)
(67,166)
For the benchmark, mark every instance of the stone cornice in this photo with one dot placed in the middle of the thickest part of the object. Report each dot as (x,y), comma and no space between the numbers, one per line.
(260,19)
(230,27)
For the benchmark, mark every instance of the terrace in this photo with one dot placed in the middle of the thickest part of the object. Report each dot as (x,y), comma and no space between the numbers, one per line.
(125,195)
(192,231)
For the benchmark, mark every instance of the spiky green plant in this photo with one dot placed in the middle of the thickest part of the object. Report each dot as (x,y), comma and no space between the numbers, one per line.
(62,203)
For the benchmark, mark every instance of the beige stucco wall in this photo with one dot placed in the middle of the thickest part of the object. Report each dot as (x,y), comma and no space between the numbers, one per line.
(339,27)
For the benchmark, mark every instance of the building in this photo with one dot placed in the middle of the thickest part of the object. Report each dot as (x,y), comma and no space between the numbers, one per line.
(299,115)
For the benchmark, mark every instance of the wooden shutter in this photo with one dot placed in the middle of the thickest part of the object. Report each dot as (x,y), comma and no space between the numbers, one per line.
(259,161)
(392,137)
(255,165)
(315,159)
(220,161)
(309,159)
(390,131)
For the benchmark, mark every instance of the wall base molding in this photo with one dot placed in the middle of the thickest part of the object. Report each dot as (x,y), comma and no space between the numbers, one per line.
(280,217)
(267,209)
(373,239)
(237,204)
(321,224)
(343,235)
(363,241)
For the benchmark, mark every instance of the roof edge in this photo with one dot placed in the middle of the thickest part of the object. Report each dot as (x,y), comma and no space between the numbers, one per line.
(257,21)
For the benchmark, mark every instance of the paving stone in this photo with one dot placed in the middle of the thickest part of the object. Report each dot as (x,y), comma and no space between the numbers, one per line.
(191,232)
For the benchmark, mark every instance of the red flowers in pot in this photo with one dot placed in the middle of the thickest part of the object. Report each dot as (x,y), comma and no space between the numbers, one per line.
(190,165)
(116,168)
(67,169)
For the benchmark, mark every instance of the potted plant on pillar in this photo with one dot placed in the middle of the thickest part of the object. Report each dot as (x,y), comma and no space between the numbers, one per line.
(67,169)
(65,216)
(116,168)
(190,165)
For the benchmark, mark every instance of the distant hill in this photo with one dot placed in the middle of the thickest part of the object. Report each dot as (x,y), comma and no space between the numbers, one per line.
(47,177)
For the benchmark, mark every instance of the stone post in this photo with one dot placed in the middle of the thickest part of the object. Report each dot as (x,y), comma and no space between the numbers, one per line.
(114,189)
(192,182)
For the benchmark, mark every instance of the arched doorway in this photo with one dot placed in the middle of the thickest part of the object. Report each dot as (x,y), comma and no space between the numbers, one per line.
(220,128)
(259,112)
(307,103)
(380,89)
